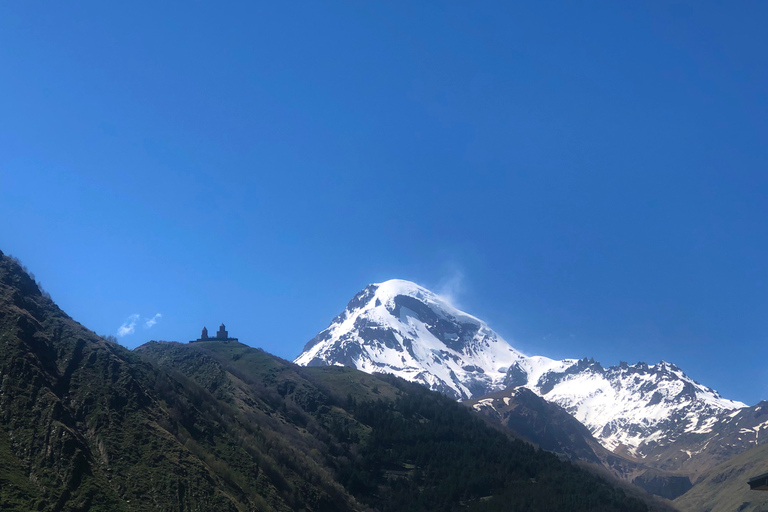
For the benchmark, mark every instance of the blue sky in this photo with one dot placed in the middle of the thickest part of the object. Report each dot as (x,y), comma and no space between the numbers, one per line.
(590,179)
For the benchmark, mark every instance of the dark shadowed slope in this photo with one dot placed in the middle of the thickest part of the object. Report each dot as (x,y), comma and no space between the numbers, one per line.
(551,428)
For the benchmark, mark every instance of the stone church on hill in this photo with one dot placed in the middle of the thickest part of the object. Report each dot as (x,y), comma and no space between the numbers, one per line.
(221,335)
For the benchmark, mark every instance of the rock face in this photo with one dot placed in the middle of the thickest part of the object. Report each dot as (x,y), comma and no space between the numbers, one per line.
(401,328)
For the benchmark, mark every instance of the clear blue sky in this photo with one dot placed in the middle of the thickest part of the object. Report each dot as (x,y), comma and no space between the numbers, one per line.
(591,179)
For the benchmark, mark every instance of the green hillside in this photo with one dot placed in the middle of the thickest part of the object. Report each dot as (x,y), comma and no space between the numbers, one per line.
(88,425)
(724,488)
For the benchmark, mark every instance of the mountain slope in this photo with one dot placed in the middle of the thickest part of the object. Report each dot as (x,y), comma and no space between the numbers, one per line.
(724,488)
(401,328)
(88,425)
(394,445)
(551,428)
(68,403)
(639,408)
(548,426)
(730,434)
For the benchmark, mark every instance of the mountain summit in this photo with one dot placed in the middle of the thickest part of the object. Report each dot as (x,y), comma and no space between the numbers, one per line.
(401,328)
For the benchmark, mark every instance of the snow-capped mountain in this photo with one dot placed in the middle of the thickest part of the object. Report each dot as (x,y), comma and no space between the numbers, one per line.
(697,450)
(636,407)
(401,328)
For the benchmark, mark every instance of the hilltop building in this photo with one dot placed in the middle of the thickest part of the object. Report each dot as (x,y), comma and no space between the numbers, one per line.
(221,335)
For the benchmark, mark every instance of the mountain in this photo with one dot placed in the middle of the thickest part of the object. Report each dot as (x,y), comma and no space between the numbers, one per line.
(395,445)
(551,428)
(733,433)
(723,488)
(401,328)
(87,425)
(639,409)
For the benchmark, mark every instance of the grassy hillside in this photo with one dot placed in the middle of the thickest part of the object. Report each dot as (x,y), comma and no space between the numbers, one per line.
(393,445)
(88,425)
(724,488)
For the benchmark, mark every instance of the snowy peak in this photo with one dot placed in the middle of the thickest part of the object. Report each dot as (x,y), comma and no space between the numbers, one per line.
(387,299)
(402,328)
(637,407)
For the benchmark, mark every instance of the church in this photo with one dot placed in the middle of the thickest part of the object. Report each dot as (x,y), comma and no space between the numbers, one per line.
(221,335)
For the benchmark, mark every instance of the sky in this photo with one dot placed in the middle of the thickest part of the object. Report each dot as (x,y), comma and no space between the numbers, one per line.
(588,178)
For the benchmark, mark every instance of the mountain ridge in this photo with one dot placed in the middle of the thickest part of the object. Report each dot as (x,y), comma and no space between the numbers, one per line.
(402,328)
